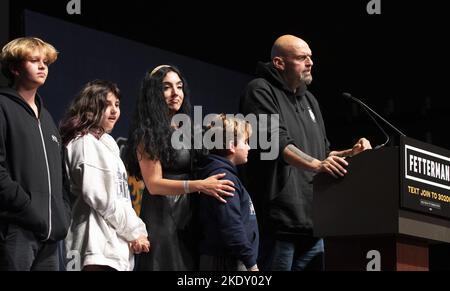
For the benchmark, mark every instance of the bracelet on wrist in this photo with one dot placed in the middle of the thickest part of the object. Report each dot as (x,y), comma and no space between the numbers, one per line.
(186,186)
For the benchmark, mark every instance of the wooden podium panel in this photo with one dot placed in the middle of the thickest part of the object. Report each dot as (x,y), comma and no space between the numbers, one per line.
(395,254)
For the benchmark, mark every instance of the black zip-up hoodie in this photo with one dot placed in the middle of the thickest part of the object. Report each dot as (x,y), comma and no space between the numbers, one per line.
(227,229)
(282,193)
(32,194)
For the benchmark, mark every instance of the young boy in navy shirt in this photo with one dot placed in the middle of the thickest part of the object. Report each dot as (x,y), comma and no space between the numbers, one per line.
(229,231)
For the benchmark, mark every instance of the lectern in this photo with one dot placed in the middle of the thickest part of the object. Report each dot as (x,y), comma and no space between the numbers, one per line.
(393,203)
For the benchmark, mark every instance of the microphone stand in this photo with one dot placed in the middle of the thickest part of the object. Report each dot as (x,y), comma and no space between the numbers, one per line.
(367,109)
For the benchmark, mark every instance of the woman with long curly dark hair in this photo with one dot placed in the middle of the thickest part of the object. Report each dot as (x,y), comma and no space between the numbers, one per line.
(167,206)
(105,230)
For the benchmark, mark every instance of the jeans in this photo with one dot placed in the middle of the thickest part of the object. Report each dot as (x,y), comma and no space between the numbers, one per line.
(302,254)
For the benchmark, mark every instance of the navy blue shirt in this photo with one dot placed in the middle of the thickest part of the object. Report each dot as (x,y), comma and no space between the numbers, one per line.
(227,229)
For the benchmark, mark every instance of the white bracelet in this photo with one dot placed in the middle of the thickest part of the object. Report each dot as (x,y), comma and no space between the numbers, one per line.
(186,186)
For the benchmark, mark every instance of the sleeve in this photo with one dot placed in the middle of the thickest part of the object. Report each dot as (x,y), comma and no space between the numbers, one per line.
(99,190)
(13,198)
(232,230)
(258,99)
(68,199)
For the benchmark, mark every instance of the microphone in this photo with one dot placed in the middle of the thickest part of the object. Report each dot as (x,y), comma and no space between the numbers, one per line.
(367,109)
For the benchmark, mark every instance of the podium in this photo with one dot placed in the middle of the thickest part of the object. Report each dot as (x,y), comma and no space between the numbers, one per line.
(388,209)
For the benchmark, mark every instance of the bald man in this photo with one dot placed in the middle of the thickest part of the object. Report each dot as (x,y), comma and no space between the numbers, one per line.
(281,188)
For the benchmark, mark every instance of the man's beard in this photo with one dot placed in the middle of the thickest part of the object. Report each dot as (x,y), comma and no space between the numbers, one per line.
(307,78)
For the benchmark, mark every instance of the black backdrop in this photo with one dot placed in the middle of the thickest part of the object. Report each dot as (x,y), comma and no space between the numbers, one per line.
(396,61)
(87,54)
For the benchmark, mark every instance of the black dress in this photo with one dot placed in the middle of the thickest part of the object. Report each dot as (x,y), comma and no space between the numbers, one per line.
(169,224)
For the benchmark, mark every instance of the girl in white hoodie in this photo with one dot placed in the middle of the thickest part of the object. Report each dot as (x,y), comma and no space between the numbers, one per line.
(105,231)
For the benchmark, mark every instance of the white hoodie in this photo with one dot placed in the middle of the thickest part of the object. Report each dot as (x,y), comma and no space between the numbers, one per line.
(103,220)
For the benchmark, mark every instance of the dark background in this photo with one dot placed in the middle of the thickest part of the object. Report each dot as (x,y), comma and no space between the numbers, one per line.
(396,61)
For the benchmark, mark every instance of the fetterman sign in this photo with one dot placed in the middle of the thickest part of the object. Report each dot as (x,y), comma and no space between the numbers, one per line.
(425,171)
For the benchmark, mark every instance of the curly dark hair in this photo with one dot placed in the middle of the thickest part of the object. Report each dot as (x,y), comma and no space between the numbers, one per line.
(86,110)
(150,129)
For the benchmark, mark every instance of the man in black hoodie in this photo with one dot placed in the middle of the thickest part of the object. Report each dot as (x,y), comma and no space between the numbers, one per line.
(34,208)
(282,187)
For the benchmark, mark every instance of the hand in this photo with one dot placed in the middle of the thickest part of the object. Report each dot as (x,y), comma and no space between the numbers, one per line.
(140,245)
(215,187)
(333,165)
(254,268)
(362,145)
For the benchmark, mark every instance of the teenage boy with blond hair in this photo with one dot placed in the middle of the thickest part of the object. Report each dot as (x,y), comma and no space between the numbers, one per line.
(34,209)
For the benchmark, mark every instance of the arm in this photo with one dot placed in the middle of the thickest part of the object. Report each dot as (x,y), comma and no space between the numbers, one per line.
(12,196)
(96,178)
(155,183)
(362,145)
(99,191)
(258,100)
(333,165)
(66,195)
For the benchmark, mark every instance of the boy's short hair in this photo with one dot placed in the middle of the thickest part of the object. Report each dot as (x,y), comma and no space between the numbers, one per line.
(231,127)
(20,49)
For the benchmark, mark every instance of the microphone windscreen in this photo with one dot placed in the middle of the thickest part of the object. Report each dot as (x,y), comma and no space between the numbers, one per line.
(347,95)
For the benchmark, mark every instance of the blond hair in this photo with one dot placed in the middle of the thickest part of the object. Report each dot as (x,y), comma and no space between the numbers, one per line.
(20,49)
(229,126)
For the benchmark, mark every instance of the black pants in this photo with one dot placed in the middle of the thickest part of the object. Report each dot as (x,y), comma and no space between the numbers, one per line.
(21,251)
(220,263)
